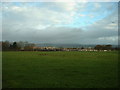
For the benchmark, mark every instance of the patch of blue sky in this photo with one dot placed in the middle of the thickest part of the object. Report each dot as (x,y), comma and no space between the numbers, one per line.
(87,20)
(17,4)
(81,22)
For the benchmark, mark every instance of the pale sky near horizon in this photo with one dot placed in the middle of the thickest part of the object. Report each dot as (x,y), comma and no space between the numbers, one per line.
(61,22)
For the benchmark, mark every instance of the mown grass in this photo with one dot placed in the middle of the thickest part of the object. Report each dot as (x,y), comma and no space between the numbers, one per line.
(60,69)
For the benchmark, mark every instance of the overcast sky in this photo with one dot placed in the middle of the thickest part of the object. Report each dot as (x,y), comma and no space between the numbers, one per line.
(61,22)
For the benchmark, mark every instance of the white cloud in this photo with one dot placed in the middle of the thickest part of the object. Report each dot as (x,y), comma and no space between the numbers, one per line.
(112,26)
(97,5)
(82,15)
(113,38)
(16,8)
(40,15)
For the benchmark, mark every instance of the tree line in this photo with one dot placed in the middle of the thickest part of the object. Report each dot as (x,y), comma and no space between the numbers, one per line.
(16,46)
(106,47)
(26,46)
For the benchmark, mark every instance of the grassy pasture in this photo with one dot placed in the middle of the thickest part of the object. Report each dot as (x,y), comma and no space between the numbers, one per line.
(60,69)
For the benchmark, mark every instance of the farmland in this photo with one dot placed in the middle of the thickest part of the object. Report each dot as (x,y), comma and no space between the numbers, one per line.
(22,69)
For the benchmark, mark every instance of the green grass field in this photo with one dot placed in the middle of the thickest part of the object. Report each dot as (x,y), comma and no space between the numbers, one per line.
(60,69)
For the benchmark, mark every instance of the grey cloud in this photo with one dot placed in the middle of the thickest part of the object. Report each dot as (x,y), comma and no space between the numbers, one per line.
(21,26)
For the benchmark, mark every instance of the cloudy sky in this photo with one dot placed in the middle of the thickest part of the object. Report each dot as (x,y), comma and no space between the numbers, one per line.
(60,22)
